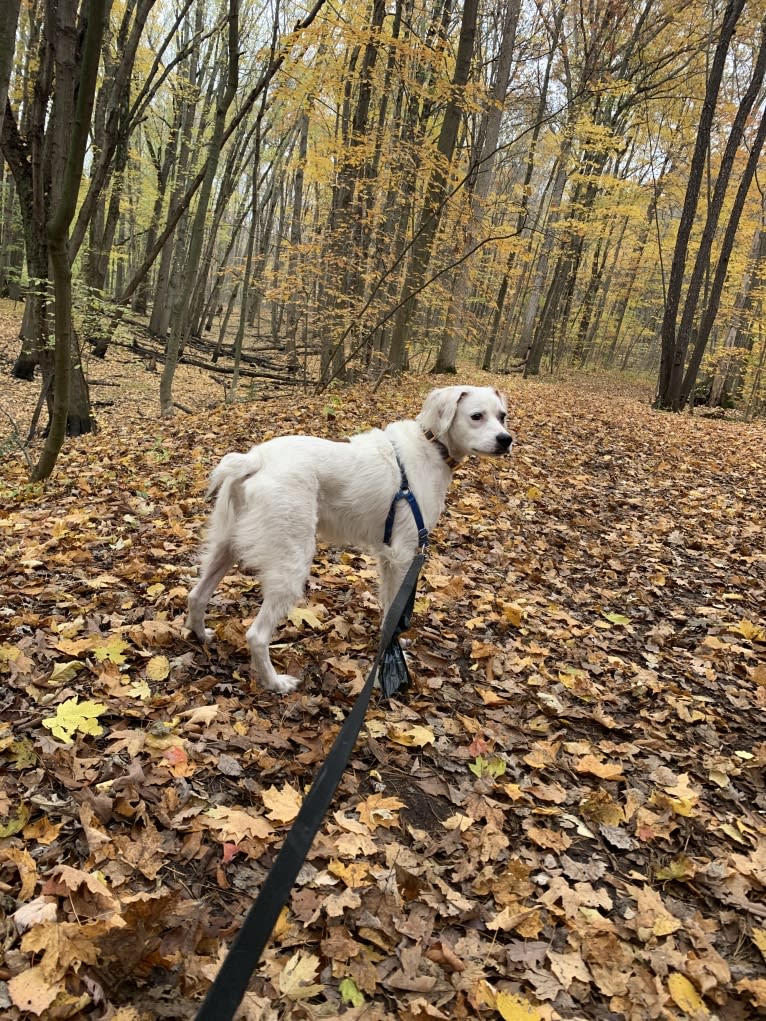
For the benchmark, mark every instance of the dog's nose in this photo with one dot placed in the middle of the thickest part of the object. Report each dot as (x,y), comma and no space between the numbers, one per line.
(504,441)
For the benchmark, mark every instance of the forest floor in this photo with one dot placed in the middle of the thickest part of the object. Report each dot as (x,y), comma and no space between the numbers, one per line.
(564,817)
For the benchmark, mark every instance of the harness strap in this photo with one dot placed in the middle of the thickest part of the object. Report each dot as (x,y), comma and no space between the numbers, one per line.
(405,493)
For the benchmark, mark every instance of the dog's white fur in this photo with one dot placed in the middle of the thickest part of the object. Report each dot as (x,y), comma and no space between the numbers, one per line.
(276,500)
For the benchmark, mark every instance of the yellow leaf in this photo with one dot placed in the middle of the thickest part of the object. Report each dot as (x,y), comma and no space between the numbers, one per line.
(754,989)
(512,614)
(417,735)
(616,618)
(490,697)
(111,650)
(158,668)
(284,805)
(75,717)
(353,875)
(732,832)
(235,824)
(304,615)
(27,869)
(296,980)
(458,822)
(516,1008)
(64,672)
(15,824)
(685,996)
(140,689)
(749,630)
(759,938)
(377,810)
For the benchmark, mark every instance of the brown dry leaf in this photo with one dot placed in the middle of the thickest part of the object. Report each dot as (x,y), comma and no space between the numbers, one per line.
(27,867)
(379,810)
(595,767)
(35,989)
(569,967)
(235,825)
(652,919)
(580,627)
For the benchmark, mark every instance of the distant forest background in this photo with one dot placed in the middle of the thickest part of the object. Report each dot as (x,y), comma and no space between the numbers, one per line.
(352,188)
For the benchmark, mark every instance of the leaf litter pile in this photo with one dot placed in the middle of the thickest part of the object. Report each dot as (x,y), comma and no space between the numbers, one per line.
(563,818)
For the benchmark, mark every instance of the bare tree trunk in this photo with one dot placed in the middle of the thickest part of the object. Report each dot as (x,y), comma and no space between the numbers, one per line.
(436,191)
(535,296)
(180,310)
(7,46)
(83,81)
(446,360)
(727,246)
(737,335)
(525,189)
(296,222)
(673,345)
(171,263)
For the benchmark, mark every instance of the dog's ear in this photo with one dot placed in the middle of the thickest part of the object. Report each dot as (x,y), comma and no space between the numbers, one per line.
(439,409)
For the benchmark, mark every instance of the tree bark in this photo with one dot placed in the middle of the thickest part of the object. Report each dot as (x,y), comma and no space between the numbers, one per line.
(180,311)
(436,191)
(446,360)
(7,47)
(63,212)
(727,245)
(673,348)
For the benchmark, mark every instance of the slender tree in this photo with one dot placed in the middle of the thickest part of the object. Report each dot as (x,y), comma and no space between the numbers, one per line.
(674,344)
(72,136)
(227,92)
(436,190)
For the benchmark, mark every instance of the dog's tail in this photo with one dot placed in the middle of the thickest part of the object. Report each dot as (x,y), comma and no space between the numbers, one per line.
(228,475)
(236,467)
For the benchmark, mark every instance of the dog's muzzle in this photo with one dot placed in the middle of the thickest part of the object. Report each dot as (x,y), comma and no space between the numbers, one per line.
(504,443)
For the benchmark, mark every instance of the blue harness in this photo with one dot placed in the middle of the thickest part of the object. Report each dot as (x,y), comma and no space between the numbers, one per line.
(405,493)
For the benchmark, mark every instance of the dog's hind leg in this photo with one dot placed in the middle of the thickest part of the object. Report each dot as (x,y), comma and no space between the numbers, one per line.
(215,564)
(282,590)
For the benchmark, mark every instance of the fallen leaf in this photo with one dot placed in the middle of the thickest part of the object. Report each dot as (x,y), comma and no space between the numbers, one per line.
(73,717)
(685,996)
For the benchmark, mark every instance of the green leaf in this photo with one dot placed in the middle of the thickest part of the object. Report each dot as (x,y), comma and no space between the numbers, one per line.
(351,993)
(14,824)
(493,766)
(616,618)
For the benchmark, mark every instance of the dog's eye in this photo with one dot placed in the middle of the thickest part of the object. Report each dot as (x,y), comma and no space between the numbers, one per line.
(502,416)
(477,416)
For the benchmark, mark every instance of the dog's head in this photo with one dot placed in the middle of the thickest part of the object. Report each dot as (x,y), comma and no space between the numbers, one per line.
(467,420)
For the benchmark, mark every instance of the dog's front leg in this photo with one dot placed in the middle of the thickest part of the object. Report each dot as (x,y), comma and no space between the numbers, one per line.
(392,571)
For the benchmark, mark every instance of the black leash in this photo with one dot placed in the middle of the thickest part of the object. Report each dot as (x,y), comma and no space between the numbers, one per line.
(230,984)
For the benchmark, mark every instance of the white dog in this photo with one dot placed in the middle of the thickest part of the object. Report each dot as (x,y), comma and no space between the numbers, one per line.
(274,501)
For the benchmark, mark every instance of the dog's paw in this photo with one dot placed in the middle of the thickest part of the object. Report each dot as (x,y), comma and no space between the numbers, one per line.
(205,635)
(283,683)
